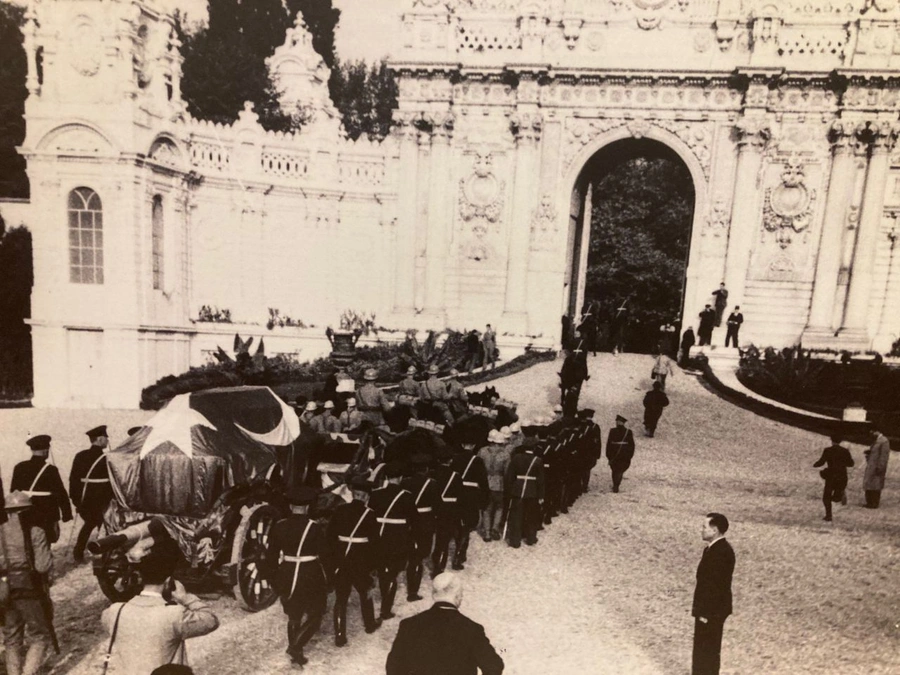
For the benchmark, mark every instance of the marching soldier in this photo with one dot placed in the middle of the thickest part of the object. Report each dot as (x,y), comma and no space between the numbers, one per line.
(409,387)
(571,377)
(524,487)
(457,397)
(394,509)
(549,452)
(351,418)
(295,549)
(372,401)
(619,450)
(40,480)
(425,492)
(434,392)
(591,447)
(90,488)
(353,538)
(474,496)
(326,422)
(447,515)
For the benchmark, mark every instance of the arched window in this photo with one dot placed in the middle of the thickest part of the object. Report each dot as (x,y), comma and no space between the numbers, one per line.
(157,242)
(85,237)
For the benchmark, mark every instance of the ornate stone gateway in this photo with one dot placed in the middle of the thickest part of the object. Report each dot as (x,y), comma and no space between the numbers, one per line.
(785,114)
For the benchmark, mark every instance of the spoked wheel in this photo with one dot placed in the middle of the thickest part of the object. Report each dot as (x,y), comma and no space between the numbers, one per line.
(248,551)
(119,579)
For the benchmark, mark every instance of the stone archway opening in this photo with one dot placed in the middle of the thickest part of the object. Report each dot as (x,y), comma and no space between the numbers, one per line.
(631,217)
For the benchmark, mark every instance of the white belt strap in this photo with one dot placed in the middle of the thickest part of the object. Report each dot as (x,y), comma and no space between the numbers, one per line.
(95,480)
(87,477)
(466,472)
(37,493)
(31,491)
(470,483)
(385,520)
(422,492)
(424,509)
(352,538)
(527,477)
(297,558)
(444,496)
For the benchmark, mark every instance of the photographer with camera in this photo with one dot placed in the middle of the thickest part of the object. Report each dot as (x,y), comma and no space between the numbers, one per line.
(150,629)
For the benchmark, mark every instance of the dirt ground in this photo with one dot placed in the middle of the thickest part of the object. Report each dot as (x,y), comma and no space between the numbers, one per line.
(608,588)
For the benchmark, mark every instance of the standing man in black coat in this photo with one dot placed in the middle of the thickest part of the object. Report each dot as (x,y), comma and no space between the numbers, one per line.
(524,488)
(473,497)
(687,341)
(836,459)
(619,450)
(90,488)
(441,641)
(712,596)
(707,322)
(654,402)
(40,480)
(735,319)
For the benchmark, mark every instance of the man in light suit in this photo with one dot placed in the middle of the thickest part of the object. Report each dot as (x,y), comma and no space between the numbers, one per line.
(712,596)
(876,467)
(440,640)
(151,628)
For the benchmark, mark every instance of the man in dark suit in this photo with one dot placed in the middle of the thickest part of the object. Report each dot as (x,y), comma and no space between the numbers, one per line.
(40,480)
(712,596)
(89,487)
(440,640)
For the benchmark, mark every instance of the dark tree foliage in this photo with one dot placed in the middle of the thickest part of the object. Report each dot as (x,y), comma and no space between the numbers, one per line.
(365,97)
(225,62)
(13,71)
(16,278)
(641,225)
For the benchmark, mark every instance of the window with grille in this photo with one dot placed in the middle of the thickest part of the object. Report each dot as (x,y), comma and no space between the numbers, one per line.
(157,242)
(85,237)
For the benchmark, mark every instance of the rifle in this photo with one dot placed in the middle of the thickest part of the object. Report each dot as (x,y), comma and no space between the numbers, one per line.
(43,589)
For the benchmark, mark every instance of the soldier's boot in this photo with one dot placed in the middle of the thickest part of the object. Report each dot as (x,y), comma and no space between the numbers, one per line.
(388,593)
(462,549)
(414,579)
(340,622)
(295,631)
(439,559)
(367,605)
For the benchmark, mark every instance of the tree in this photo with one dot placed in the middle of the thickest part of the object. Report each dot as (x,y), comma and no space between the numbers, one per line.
(13,92)
(16,278)
(641,219)
(365,97)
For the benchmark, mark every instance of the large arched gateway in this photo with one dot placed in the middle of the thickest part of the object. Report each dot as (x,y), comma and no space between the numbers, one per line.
(785,113)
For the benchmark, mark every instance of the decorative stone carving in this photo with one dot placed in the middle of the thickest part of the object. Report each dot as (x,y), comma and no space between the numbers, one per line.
(85,47)
(167,154)
(719,218)
(753,133)
(781,268)
(480,199)
(788,206)
(572,30)
(544,225)
(526,126)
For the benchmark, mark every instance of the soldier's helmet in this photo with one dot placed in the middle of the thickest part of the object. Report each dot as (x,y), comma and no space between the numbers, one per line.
(17,500)
(411,370)
(433,369)
(370,375)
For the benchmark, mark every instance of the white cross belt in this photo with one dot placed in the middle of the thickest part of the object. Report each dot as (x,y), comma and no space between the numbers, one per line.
(527,477)
(353,540)
(470,483)
(95,480)
(392,521)
(299,558)
(37,493)
(424,509)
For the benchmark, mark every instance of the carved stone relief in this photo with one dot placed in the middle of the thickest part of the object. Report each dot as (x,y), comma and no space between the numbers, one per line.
(85,47)
(544,225)
(719,218)
(788,206)
(480,200)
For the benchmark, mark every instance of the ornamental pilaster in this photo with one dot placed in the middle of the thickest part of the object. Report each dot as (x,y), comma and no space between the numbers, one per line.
(441,126)
(405,270)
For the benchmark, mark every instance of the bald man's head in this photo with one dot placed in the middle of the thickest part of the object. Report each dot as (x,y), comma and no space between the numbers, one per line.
(447,587)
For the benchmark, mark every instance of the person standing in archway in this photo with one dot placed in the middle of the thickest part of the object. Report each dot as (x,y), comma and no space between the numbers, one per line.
(687,341)
(721,301)
(489,342)
(707,321)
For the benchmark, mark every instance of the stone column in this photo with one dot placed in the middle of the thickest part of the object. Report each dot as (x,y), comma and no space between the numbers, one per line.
(438,217)
(753,134)
(882,136)
(527,129)
(404,278)
(828,262)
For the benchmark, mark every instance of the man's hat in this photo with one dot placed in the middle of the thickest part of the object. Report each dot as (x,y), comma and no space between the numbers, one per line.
(17,500)
(411,370)
(311,406)
(495,436)
(433,369)
(619,418)
(454,372)
(393,470)
(529,442)
(506,432)
(133,430)
(41,442)
(351,402)
(96,432)
(557,408)
(443,454)
(360,483)
(586,413)
(370,375)
(329,405)
(301,495)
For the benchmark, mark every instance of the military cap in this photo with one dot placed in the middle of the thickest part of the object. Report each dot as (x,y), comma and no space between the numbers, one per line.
(411,370)
(41,442)
(495,436)
(443,454)
(393,469)
(515,428)
(133,430)
(96,432)
(433,369)
(371,374)
(302,495)
(329,405)
(586,413)
(351,402)
(454,372)
(311,406)
(17,500)
(619,418)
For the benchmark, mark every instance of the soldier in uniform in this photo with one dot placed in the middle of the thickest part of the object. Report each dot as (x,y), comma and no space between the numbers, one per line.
(447,515)
(40,480)
(372,401)
(353,540)
(326,422)
(308,416)
(409,387)
(619,450)
(424,490)
(572,375)
(457,397)
(591,447)
(90,488)
(473,497)
(395,510)
(524,487)
(434,391)
(495,456)
(351,418)
(296,548)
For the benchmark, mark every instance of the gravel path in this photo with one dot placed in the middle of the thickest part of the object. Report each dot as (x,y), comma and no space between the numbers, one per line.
(608,588)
